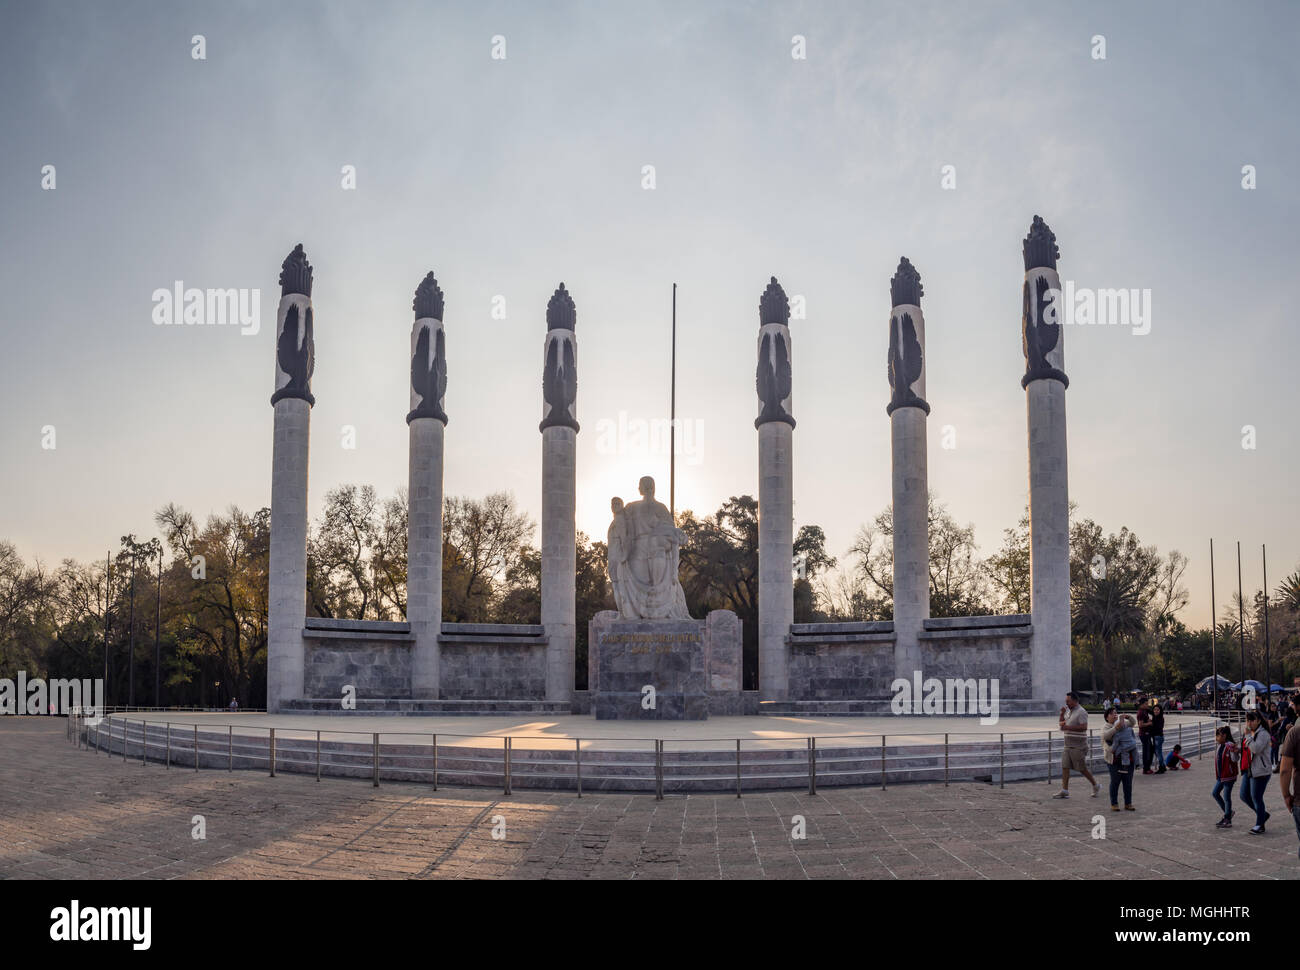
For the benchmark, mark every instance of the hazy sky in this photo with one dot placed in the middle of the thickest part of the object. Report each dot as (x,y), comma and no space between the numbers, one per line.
(507,176)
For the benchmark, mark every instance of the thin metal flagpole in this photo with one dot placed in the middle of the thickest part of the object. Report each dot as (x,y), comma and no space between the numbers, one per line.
(1268,673)
(1241,619)
(672,422)
(1214,621)
(130,657)
(108,592)
(157,638)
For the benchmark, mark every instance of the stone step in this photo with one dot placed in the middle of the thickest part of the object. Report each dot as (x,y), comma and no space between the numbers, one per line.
(1007,707)
(399,706)
(342,754)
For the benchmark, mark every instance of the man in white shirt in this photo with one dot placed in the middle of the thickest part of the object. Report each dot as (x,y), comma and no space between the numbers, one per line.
(1074,753)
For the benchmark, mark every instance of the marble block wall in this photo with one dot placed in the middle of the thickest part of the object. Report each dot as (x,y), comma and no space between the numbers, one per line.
(840,661)
(378,666)
(498,670)
(1002,653)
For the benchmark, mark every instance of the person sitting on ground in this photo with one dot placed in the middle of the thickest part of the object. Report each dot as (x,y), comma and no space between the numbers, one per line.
(1175,759)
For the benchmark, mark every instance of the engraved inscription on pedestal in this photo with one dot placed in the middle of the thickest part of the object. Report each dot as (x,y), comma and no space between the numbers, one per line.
(692,667)
(651,671)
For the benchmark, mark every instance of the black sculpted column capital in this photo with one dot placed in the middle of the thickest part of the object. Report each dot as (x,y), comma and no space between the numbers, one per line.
(906,363)
(1041,309)
(428,354)
(295,344)
(560,368)
(773,378)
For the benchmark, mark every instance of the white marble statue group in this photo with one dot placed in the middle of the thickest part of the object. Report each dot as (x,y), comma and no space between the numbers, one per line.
(644,556)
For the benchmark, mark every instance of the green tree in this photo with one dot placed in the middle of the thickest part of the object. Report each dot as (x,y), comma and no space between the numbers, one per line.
(959,583)
(25,593)
(719,569)
(218,604)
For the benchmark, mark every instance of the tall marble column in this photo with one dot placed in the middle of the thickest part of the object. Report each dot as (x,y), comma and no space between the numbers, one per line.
(295,359)
(559,429)
(1043,343)
(427,421)
(775,427)
(908,414)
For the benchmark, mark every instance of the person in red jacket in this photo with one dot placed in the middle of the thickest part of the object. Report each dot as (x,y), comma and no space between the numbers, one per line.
(1225,774)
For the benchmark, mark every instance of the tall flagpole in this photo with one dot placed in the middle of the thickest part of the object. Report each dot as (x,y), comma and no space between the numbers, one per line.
(1268,673)
(672,423)
(1214,619)
(108,592)
(157,639)
(1241,620)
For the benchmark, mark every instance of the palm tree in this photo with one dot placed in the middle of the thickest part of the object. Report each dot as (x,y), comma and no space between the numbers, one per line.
(1288,592)
(1109,609)
(1226,632)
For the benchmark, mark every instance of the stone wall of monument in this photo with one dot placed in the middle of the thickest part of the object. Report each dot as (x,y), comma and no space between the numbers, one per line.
(841,661)
(479,661)
(491,661)
(983,648)
(856,661)
(373,657)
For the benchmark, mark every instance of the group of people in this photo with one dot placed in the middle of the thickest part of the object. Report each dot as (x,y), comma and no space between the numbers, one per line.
(1172,704)
(1267,746)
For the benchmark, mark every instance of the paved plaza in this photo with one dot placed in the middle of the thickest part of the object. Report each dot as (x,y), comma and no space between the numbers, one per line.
(68,814)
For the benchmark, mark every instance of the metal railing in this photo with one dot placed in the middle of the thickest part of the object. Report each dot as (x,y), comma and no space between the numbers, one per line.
(604,763)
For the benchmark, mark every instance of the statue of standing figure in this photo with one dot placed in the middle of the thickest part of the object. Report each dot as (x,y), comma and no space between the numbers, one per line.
(644,558)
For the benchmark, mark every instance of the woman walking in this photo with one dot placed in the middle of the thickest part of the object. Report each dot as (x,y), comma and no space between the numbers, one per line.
(1256,768)
(1225,774)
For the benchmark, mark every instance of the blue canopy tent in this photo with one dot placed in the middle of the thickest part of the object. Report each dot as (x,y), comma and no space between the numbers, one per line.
(1206,686)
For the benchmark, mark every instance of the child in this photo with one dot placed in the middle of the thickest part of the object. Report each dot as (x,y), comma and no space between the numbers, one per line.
(1175,759)
(1225,774)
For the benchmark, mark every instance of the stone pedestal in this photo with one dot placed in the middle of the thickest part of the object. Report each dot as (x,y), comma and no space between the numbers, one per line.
(664,670)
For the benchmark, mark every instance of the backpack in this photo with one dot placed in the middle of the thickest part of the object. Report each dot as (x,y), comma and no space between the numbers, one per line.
(1227,769)
(1245,758)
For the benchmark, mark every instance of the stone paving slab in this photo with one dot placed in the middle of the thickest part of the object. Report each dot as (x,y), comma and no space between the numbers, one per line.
(67,813)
